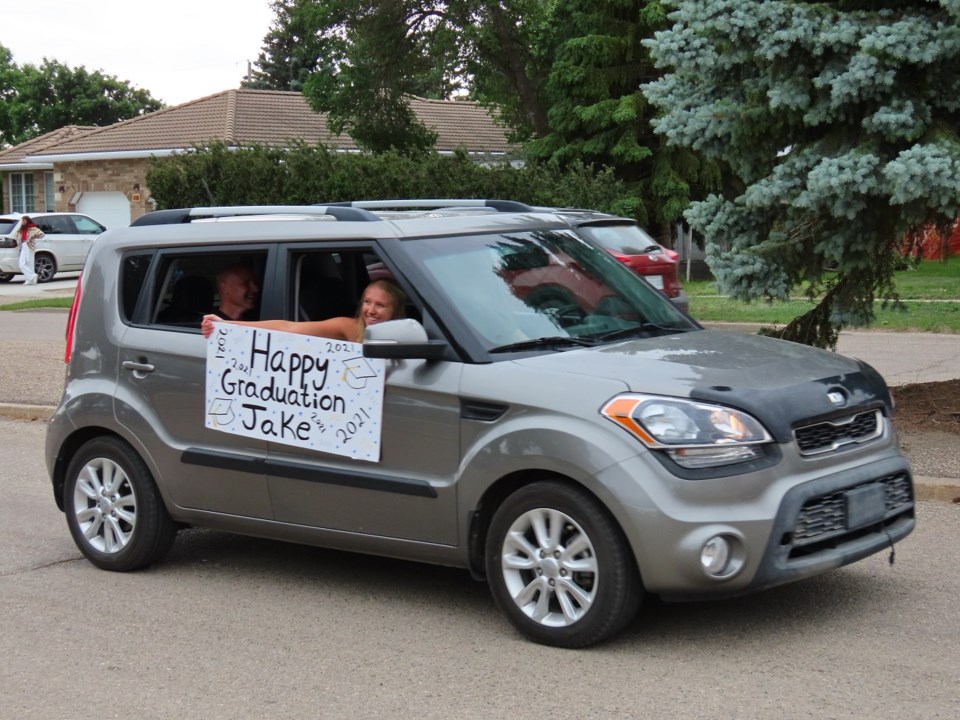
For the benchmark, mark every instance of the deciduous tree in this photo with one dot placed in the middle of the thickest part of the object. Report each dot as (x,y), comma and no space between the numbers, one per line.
(359,60)
(370,69)
(36,100)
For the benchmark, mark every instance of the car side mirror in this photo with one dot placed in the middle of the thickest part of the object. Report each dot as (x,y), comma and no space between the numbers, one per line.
(401,340)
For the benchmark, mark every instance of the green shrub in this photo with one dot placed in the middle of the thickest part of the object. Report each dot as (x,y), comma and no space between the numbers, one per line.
(307,174)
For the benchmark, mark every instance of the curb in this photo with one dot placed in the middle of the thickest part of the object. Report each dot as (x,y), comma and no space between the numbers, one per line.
(939,489)
(924,487)
(19,411)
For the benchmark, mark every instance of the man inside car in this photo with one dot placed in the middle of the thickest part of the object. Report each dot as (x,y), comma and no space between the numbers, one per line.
(238,292)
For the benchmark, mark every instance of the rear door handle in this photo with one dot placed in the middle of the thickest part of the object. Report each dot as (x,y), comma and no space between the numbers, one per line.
(138,368)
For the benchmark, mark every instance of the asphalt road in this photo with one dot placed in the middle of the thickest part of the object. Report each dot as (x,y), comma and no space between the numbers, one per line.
(232,627)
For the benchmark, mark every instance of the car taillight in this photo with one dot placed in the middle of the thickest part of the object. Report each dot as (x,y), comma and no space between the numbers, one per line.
(71,321)
(671,280)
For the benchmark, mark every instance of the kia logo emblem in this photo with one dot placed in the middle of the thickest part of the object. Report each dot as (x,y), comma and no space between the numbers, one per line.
(837,398)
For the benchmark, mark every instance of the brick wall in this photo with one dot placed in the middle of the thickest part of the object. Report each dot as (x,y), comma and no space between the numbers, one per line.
(123,176)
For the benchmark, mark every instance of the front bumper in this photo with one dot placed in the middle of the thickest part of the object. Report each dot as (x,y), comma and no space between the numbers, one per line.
(782,525)
(834,521)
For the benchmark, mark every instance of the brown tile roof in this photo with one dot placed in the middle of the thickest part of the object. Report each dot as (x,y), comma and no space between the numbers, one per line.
(17,153)
(271,117)
(461,123)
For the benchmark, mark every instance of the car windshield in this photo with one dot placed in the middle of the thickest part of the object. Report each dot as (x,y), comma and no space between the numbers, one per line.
(524,291)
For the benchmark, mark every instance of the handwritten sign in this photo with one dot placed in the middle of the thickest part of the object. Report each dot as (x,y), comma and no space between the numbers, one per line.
(294,389)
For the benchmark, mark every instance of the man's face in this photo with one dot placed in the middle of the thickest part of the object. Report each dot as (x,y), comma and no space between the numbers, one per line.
(238,290)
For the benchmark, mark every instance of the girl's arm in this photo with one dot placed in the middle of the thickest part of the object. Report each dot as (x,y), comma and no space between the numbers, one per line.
(338,328)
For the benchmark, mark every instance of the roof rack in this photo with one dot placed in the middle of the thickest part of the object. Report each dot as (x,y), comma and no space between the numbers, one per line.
(186,215)
(435,204)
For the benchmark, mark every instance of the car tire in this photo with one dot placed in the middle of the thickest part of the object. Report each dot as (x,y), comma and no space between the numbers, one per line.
(6,277)
(559,566)
(45,267)
(114,510)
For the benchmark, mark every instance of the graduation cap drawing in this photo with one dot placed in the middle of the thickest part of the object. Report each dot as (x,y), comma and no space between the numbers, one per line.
(220,412)
(356,372)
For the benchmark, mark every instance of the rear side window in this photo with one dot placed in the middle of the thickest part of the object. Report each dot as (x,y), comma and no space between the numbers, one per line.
(186,286)
(55,225)
(175,289)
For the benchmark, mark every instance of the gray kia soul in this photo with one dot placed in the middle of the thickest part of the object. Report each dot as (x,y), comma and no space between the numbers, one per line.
(547,419)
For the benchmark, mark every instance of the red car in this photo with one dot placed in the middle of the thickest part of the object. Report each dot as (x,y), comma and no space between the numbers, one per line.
(632,246)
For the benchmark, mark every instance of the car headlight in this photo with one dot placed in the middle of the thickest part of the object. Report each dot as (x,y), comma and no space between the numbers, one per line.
(693,434)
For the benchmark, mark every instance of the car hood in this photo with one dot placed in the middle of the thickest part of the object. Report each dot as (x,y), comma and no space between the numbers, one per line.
(780,382)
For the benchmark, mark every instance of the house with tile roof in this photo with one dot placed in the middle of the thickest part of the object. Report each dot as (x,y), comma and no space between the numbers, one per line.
(101,171)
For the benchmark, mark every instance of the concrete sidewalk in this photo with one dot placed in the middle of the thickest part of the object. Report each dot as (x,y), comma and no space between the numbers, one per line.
(32,373)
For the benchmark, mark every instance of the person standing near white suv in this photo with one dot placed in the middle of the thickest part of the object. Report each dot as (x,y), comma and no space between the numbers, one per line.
(29,234)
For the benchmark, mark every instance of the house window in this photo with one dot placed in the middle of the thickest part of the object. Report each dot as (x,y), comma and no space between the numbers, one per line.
(21,193)
(49,199)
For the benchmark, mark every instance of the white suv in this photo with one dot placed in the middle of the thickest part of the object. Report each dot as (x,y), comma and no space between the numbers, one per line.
(64,247)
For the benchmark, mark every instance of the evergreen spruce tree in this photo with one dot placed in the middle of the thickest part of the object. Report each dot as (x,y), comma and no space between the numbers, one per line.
(291,49)
(598,114)
(840,119)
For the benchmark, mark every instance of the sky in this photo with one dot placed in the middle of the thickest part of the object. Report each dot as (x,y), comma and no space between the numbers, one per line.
(177,50)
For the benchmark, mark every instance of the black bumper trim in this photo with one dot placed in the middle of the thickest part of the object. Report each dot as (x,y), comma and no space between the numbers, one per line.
(308,473)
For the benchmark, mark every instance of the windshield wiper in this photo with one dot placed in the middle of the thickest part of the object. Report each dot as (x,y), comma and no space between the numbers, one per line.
(641,330)
(555,341)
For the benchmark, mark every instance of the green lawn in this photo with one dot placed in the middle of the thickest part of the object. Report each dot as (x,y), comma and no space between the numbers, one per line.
(60,302)
(930,294)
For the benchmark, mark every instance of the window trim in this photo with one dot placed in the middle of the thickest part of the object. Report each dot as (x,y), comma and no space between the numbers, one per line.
(20,200)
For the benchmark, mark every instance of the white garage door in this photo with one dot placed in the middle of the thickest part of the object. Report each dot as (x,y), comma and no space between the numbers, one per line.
(107,208)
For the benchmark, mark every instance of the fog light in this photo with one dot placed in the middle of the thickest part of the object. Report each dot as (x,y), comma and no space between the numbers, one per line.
(715,555)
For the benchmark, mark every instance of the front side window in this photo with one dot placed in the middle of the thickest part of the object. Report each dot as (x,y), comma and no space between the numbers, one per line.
(21,193)
(86,226)
(324,284)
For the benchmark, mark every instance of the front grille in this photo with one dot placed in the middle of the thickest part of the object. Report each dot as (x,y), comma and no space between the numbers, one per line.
(822,521)
(833,434)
